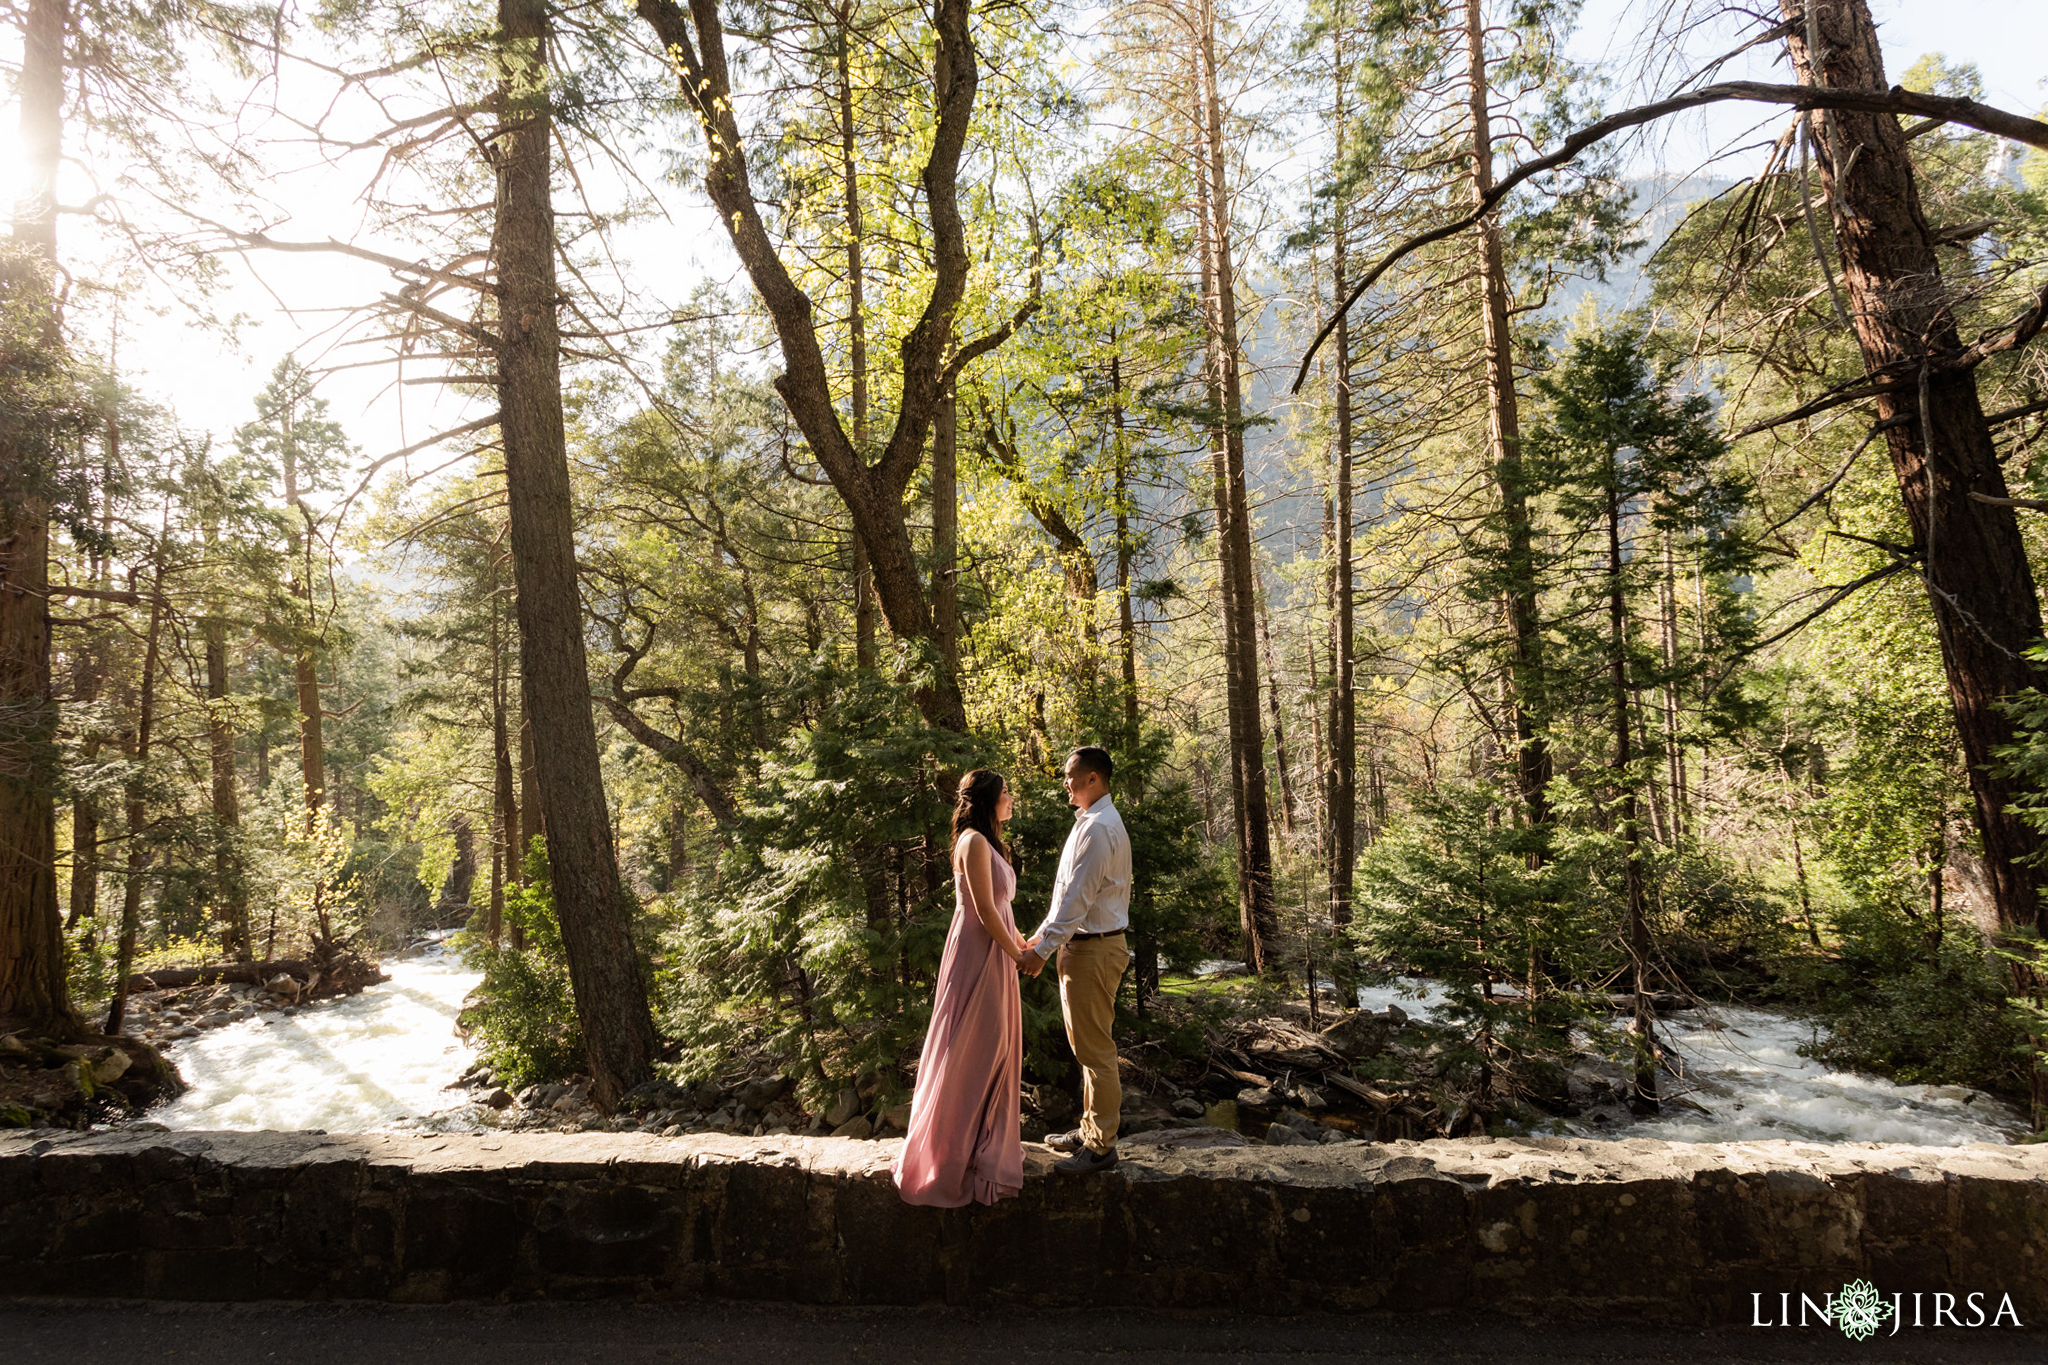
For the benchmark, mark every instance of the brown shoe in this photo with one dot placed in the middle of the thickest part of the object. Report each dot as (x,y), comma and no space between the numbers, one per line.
(1065,1142)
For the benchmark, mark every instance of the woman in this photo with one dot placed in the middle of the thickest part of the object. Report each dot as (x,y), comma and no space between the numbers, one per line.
(964,1144)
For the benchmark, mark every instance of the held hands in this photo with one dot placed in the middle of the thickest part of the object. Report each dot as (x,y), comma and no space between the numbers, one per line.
(1028,961)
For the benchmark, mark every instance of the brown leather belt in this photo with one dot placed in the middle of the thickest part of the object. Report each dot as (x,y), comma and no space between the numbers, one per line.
(1082,938)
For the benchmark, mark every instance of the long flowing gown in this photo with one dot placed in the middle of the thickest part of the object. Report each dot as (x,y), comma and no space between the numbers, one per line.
(964,1144)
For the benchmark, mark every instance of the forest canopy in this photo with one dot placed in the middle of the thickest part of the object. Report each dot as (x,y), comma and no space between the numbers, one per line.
(1588,586)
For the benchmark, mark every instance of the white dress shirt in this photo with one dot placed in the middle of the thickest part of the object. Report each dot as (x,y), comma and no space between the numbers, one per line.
(1092,893)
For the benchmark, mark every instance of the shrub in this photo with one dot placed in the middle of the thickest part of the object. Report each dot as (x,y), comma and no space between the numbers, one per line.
(523,1015)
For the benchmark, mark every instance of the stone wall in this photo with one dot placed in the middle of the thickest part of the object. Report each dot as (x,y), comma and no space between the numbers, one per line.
(1545,1226)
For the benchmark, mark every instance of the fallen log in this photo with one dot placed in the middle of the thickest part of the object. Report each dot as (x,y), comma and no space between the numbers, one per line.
(248,973)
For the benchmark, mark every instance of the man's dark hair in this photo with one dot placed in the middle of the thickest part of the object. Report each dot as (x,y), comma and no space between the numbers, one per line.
(1094,760)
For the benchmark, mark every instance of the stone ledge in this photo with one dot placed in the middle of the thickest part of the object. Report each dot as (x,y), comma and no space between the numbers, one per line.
(1550,1227)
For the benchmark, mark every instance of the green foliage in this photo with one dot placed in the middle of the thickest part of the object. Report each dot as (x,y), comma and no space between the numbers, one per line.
(800,948)
(1450,890)
(523,1014)
(1895,1004)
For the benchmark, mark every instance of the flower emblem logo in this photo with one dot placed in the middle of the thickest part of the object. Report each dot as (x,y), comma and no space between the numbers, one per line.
(1859,1311)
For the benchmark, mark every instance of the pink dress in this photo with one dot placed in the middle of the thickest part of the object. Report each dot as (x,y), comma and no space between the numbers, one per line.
(964,1144)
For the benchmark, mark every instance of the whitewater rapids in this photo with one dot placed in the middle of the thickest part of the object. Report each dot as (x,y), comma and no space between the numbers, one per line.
(1742,1066)
(381,1060)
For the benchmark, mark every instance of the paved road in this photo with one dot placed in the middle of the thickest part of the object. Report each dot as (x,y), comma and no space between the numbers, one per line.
(93,1333)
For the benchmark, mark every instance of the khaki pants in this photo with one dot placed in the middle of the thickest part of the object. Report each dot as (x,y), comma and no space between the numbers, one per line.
(1089,973)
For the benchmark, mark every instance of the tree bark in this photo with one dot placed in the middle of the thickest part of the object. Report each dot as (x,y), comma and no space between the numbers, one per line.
(229,883)
(1642,1026)
(872,491)
(1273,704)
(1504,435)
(305,664)
(946,528)
(604,967)
(460,883)
(505,806)
(88,676)
(1126,624)
(865,653)
(33,989)
(1979,583)
(1256,914)
(137,813)
(1342,802)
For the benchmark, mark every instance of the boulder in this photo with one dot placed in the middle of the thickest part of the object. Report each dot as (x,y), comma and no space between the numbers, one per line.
(760,1093)
(649,1095)
(707,1094)
(1284,1135)
(897,1118)
(499,1098)
(1182,1140)
(1142,1114)
(111,1067)
(1303,1124)
(843,1108)
(1260,1097)
(1188,1107)
(1359,1035)
(855,1127)
(1053,1104)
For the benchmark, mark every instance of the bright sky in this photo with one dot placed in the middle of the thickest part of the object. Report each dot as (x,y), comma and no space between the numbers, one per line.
(210,381)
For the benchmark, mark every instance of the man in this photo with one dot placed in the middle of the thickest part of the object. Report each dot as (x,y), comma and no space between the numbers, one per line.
(1091,908)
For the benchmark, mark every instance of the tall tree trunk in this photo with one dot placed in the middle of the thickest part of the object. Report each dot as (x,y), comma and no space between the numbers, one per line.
(1642,1026)
(32,982)
(604,968)
(1343,784)
(1126,624)
(1256,912)
(305,664)
(505,806)
(865,653)
(230,885)
(460,883)
(946,528)
(1979,583)
(33,989)
(88,676)
(1974,563)
(1273,704)
(138,814)
(305,661)
(1673,749)
(1504,435)
(532,818)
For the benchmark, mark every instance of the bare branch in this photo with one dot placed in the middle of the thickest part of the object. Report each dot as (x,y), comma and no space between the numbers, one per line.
(1897,100)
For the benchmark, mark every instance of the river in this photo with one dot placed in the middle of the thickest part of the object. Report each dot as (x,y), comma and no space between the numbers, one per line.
(1742,1066)
(372,1062)
(385,1059)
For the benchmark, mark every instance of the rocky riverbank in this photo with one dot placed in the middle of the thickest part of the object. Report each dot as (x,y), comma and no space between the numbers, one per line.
(1266,1076)
(50,1082)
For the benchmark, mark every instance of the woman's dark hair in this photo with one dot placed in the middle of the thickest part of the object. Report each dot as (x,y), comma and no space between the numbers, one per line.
(974,807)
